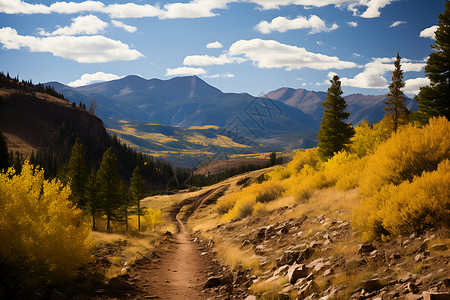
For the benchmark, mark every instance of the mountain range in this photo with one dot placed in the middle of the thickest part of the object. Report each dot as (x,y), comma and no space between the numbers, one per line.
(185,116)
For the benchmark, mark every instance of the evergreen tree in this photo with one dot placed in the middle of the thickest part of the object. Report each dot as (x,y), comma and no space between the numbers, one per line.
(78,173)
(137,189)
(124,195)
(108,186)
(434,99)
(396,111)
(92,198)
(334,134)
(4,155)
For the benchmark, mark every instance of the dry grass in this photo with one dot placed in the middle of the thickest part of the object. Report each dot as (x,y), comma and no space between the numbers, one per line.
(273,285)
(136,246)
(233,256)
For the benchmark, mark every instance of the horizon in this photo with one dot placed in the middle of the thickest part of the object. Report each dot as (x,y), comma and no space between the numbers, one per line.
(238,46)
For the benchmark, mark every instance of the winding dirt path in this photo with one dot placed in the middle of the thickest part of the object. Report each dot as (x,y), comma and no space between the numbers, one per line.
(181,271)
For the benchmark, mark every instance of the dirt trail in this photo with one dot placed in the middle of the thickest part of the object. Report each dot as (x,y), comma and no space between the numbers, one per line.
(181,271)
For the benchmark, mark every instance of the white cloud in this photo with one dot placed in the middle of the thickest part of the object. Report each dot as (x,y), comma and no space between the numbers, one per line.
(397,23)
(373,75)
(83,49)
(320,43)
(86,79)
(352,24)
(356,54)
(128,28)
(373,7)
(214,45)
(192,9)
(206,60)
(282,24)
(80,25)
(226,75)
(429,32)
(184,71)
(272,54)
(412,86)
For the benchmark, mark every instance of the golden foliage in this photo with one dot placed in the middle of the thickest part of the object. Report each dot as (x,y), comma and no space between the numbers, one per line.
(42,237)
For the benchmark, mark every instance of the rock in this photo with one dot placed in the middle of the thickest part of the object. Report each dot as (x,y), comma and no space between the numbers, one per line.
(251,297)
(318,264)
(212,282)
(117,284)
(282,296)
(395,256)
(412,288)
(328,272)
(412,297)
(365,248)
(226,280)
(307,289)
(305,255)
(436,296)
(297,271)
(424,245)
(167,233)
(371,285)
(439,247)
(354,263)
(288,258)
(245,243)
(281,270)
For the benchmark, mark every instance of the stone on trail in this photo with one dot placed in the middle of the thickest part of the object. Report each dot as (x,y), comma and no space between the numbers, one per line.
(212,282)
(436,296)
(117,284)
(297,271)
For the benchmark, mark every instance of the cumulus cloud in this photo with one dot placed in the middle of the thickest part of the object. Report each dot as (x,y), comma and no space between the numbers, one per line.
(373,75)
(184,71)
(128,28)
(429,32)
(80,25)
(397,23)
(272,54)
(206,60)
(86,79)
(192,9)
(282,24)
(83,49)
(352,24)
(373,7)
(412,86)
(226,75)
(214,45)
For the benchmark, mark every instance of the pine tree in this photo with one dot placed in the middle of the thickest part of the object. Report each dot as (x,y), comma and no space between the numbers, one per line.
(396,111)
(78,173)
(4,155)
(108,186)
(434,99)
(137,189)
(92,198)
(124,195)
(334,134)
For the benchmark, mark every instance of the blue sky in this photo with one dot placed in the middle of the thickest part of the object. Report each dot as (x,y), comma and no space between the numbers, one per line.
(252,46)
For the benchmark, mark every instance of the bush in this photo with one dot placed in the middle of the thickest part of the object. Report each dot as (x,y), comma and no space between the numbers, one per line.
(42,238)
(268,191)
(410,206)
(367,138)
(225,204)
(407,154)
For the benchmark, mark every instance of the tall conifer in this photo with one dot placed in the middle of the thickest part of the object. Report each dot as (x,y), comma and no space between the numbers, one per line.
(434,99)
(396,111)
(334,133)
(108,186)
(137,189)
(78,173)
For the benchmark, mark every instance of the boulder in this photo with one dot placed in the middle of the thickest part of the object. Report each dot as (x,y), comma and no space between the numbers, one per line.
(436,296)
(297,271)
(212,282)
(365,248)
(117,284)
(305,255)
(439,247)
(371,285)
(281,270)
(306,290)
(288,258)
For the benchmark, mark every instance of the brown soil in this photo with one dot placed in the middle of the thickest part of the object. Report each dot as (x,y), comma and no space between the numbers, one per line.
(180,271)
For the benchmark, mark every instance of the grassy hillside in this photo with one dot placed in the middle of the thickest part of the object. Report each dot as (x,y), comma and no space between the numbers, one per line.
(317,214)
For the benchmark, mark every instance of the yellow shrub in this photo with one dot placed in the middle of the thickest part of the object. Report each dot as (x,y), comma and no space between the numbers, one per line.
(344,170)
(308,157)
(367,138)
(267,191)
(407,154)
(225,204)
(408,207)
(42,238)
(242,208)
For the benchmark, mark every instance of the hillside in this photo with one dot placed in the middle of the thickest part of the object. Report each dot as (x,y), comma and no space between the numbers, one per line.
(189,101)
(361,107)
